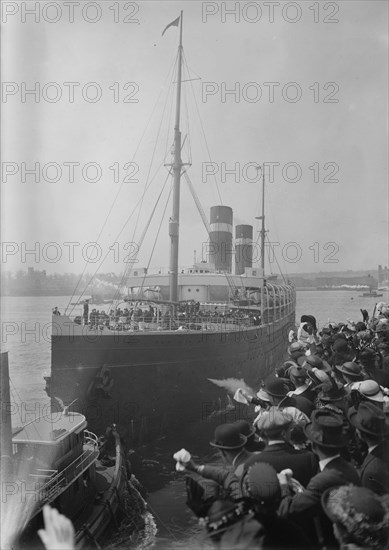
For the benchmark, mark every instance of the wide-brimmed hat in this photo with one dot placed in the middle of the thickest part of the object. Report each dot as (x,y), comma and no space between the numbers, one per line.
(371,390)
(228,437)
(296,349)
(245,428)
(332,393)
(309,319)
(351,369)
(361,513)
(273,421)
(369,419)
(316,362)
(318,377)
(326,429)
(221,515)
(261,484)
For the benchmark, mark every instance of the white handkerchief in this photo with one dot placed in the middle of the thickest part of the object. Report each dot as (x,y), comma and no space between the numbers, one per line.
(182,457)
(239,397)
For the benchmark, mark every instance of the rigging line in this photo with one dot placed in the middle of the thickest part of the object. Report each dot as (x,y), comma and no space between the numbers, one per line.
(147,184)
(109,250)
(186,105)
(129,267)
(203,132)
(281,273)
(149,170)
(121,185)
(117,296)
(156,238)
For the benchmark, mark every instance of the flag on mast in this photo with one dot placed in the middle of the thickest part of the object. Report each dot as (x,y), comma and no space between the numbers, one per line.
(174,23)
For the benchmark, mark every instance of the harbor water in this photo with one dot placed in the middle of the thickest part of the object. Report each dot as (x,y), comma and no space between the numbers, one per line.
(26,330)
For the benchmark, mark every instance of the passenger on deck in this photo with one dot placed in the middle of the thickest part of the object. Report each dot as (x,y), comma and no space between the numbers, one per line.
(55,311)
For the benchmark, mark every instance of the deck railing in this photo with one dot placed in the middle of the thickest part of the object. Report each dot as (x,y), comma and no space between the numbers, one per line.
(279,302)
(54,483)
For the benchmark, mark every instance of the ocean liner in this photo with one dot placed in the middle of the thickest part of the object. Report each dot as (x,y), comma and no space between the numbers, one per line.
(158,358)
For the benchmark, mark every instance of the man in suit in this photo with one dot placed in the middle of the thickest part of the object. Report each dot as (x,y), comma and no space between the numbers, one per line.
(326,435)
(231,445)
(371,427)
(273,426)
(276,391)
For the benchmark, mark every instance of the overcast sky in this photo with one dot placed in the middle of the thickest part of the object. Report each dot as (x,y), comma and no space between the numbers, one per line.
(326,126)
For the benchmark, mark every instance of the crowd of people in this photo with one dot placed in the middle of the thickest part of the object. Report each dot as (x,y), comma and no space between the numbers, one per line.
(312,468)
(187,314)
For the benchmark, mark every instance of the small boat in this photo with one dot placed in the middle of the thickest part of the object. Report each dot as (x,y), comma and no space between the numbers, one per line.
(54,459)
(372,294)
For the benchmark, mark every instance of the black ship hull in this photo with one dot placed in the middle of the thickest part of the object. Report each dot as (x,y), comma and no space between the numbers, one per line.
(150,383)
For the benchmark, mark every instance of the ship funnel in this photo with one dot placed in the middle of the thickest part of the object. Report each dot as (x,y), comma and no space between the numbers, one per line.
(243,248)
(220,236)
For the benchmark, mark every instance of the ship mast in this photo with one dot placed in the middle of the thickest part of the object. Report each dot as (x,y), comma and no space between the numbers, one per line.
(263,235)
(177,164)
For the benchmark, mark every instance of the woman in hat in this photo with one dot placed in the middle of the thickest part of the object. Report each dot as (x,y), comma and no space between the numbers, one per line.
(360,518)
(307,331)
(229,525)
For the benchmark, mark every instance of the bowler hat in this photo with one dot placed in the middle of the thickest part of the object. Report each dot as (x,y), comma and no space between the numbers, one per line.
(326,429)
(340,346)
(354,370)
(275,386)
(228,436)
(273,420)
(369,419)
